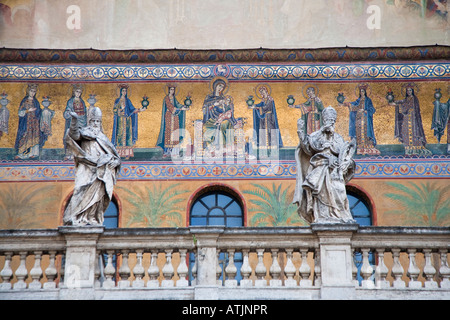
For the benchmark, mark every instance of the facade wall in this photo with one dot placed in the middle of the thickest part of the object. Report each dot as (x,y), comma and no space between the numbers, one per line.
(404,186)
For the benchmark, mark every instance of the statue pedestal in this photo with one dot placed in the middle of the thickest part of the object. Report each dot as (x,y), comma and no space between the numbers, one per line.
(336,259)
(80,261)
(206,287)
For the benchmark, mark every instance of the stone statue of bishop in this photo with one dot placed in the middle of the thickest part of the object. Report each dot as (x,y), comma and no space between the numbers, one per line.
(97,166)
(324,165)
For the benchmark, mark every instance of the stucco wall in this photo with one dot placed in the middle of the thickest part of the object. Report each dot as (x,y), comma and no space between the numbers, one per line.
(231,24)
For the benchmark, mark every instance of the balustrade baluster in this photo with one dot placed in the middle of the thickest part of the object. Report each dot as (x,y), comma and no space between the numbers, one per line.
(168,270)
(429,271)
(246,270)
(305,269)
(194,269)
(317,269)
(231,270)
(153,270)
(413,271)
(62,268)
(138,270)
(366,270)
(109,271)
(381,271)
(97,272)
(355,269)
(182,269)
(21,272)
(124,270)
(260,270)
(6,272)
(444,270)
(36,272)
(397,270)
(289,270)
(275,270)
(218,268)
(51,272)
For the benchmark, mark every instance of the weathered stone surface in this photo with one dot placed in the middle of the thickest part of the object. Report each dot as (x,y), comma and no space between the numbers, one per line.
(97,166)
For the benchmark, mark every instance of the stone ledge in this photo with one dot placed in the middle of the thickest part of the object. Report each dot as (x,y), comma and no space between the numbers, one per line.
(70,230)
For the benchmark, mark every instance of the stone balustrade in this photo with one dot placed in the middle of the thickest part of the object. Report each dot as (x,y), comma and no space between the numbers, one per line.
(317,262)
(402,258)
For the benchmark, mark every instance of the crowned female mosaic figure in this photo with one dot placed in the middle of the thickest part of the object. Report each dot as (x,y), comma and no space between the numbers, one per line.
(311,109)
(361,113)
(265,122)
(125,126)
(408,122)
(29,138)
(173,125)
(74,104)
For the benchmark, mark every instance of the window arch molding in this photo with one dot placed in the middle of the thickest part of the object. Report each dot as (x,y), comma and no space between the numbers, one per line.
(216,187)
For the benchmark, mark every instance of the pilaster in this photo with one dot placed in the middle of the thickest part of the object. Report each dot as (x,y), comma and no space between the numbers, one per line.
(206,242)
(336,259)
(80,261)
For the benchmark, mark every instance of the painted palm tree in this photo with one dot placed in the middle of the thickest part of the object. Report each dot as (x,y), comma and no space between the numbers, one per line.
(156,207)
(273,207)
(424,204)
(23,206)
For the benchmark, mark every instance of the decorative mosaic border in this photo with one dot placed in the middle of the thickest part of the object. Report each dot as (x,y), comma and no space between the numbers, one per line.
(421,168)
(346,54)
(272,72)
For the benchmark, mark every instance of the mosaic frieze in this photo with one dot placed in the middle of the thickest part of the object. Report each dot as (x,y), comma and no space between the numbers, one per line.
(272,72)
(436,167)
(228,56)
(206,121)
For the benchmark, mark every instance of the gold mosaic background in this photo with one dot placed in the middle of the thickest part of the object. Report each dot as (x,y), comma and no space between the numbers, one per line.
(150,120)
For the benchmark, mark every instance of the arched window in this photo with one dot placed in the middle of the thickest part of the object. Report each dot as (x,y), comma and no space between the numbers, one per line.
(218,206)
(111,215)
(360,205)
(359,208)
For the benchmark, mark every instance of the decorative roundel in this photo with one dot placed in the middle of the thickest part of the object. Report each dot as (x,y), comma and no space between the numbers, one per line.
(113,73)
(221,70)
(98,73)
(35,72)
(19,72)
(312,72)
(143,72)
